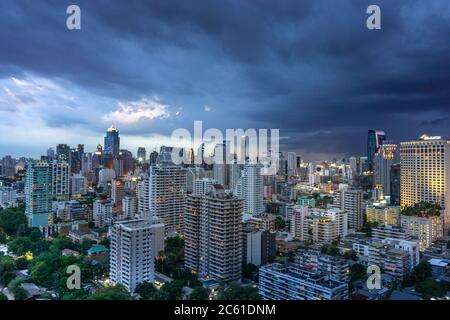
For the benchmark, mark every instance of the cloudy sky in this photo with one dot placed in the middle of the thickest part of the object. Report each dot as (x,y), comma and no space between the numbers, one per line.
(308,67)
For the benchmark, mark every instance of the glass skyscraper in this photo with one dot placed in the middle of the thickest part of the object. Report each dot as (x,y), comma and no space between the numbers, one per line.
(112,141)
(38,193)
(375,139)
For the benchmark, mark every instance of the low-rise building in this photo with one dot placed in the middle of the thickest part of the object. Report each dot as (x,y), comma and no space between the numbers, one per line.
(387,215)
(312,259)
(395,262)
(290,282)
(426,229)
(102,213)
(390,231)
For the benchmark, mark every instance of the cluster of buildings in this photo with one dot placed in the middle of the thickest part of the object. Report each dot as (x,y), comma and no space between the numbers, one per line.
(235,213)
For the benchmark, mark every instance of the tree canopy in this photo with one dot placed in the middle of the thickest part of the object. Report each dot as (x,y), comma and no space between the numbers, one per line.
(235,292)
(423,209)
(11,219)
(111,293)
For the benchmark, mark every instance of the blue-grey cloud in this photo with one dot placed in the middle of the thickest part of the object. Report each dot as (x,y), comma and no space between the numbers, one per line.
(310,68)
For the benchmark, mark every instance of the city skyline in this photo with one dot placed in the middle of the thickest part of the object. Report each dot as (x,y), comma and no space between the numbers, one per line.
(310,69)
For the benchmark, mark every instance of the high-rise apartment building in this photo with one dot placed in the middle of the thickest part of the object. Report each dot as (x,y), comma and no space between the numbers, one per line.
(60,180)
(298,222)
(141,154)
(250,188)
(375,139)
(221,165)
(351,201)
(426,229)
(387,215)
(8,196)
(312,259)
(143,194)
(291,163)
(202,186)
(63,153)
(167,195)
(8,167)
(102,213)
(112,142)
(78,185)
(117,191)
(213,235)
(258,246)
(133,251)
(382,162)
(38,193)
(319,225)
(395,184)
(425,173)
(130,206)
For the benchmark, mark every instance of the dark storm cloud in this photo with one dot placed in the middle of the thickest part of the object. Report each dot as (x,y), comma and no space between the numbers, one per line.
(434,122)
(310,68)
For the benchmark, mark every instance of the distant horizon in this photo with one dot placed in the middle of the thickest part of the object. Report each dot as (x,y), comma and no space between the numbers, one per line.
(156,148)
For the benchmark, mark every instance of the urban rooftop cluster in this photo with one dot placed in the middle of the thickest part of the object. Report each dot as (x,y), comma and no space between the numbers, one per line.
(141,227)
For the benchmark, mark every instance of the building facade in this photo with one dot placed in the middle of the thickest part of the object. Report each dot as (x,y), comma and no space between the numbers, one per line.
(425,173)
(291,282)
(38,193)
(132,256)
(213,235)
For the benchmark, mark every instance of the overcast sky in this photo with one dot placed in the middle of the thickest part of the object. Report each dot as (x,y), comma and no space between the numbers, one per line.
(310,68)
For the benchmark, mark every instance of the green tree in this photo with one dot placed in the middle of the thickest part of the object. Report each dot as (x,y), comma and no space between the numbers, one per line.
(21,263)
(75,295)
(357,271)
(7,269)
(423,209)
(351,255)
(21,245)
(421,272)
(235,292)
(3,297)
(15,287)
(331,250)
(248,270)
(11,219)
(430,288)
(105,242)
(3,236)
(111,293)
(62,242)
(146,290)
(279,223)
(199,293)
(85,245)
(19,293)
(368,226)
(170,291)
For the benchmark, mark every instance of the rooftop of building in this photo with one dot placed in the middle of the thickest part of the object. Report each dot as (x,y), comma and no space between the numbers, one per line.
(293,270)
(97,249)
(139,223)
(439,262)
